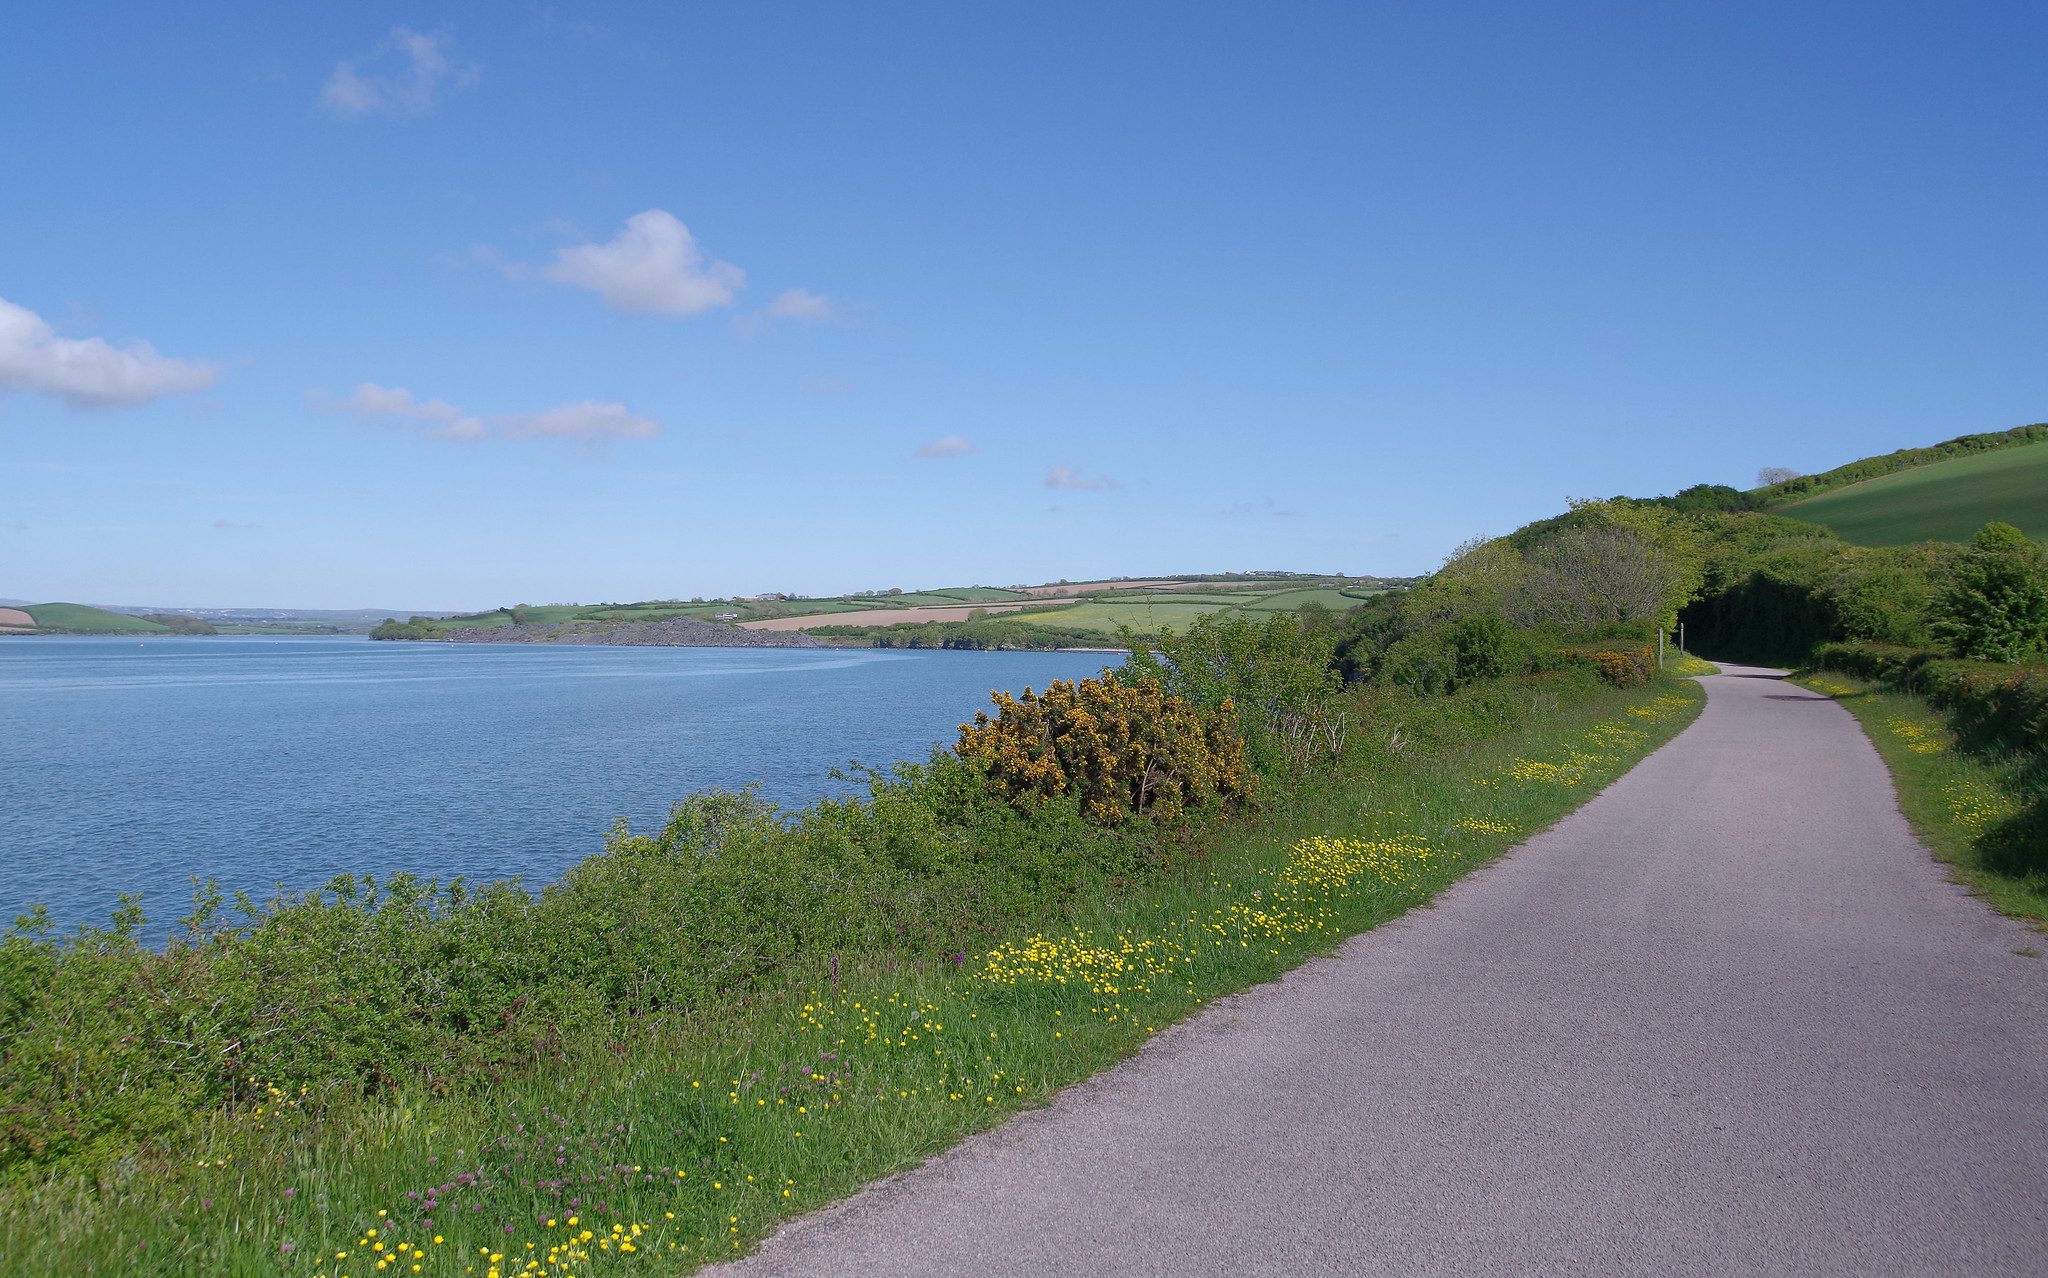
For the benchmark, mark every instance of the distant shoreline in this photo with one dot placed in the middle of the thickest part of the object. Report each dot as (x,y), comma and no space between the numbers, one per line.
(671,632)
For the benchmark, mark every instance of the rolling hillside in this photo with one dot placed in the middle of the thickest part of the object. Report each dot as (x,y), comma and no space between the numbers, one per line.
(78,619)
(1942,501)
(1086,610)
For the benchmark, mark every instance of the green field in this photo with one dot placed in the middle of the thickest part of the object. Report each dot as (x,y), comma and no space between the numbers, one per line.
(915,599)
(1107,618)
(978,594)
(1099,609)
(79,619)
(1152,612)
(660,610)
(1221,599)
(1946,501)
(1334,598)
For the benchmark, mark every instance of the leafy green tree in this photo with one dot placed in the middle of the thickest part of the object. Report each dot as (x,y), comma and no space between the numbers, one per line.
(1593,578)
(1277,674)
(1995,607)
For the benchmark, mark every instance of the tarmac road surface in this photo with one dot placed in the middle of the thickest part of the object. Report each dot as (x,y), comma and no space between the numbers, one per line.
(1729,1018)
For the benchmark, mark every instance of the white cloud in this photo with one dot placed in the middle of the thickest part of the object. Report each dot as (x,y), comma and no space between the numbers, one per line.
(405,75)
(652,265)
(589,420)
(1068,478)
(397,404)
(945,446)
(89,372)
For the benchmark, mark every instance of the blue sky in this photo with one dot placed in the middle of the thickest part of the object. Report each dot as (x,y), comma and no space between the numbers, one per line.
(463,305)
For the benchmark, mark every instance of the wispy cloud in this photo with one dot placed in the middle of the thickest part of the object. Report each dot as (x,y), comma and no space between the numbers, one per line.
(587,420)
(400,406)
(945,446)
(802,304)
(1266,507)
(405,75)
(1069,479)
(798,306)
(89,372)
(652,266)
(824,384)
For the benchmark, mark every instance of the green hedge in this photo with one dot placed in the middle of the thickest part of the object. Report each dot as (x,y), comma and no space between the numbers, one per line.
(2006,701)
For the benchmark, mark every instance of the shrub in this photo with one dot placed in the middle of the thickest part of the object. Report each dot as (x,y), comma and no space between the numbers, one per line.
(1276,676)
(1487,647)
(1123,748)
(1425,664)
(1622,669)
(417,628)
(1367,633)
(1995,607)
(1622,664)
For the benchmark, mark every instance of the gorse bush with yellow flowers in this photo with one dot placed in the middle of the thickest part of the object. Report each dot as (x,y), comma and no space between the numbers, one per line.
(1121,748)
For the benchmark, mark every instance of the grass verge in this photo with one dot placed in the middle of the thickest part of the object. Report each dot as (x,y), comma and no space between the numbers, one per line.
(1684,665)
(691,1140)
(1958,797)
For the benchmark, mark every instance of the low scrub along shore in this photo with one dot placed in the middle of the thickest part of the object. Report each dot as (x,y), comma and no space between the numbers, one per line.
(747,1013)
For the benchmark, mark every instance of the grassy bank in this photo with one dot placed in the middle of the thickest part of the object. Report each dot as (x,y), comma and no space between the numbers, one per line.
(1964,795)
(676,1136)
(1945,501)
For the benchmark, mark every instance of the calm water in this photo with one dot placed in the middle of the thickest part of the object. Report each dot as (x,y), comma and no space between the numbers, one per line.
(135,767)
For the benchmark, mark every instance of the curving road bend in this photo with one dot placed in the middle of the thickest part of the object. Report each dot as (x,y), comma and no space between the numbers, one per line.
(1729,1018)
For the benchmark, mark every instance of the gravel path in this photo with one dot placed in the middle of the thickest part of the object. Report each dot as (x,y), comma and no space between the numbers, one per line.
(1729,1018)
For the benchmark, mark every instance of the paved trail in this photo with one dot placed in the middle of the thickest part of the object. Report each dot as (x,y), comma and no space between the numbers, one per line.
(1729,1018)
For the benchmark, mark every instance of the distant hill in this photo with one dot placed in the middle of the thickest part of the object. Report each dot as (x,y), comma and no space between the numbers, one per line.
(67,618)
(1090,611)
(1938,500)
(78,619)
